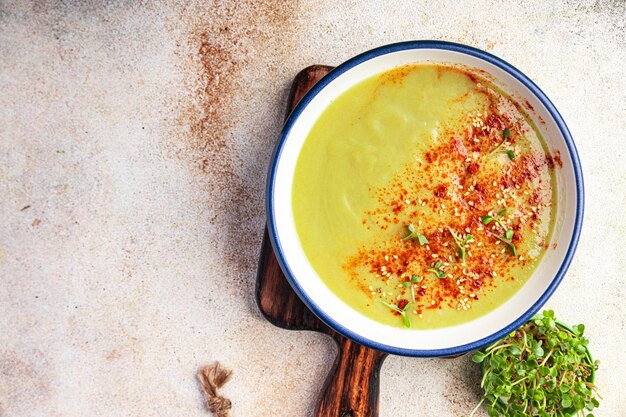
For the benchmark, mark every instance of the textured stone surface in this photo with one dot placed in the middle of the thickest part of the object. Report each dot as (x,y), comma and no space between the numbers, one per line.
(139,136)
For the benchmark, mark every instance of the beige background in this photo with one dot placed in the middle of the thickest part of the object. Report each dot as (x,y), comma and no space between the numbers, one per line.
(140,135)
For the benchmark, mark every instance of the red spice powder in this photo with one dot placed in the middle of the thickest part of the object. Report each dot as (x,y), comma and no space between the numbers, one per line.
(451,191)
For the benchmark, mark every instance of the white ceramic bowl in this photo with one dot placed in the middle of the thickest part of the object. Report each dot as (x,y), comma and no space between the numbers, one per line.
(448,340)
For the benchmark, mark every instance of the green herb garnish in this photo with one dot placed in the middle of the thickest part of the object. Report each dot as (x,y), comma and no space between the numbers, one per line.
(509,242)
(414,235)
(405,317)
(436,269)
(460,243)
(416,279)
(508,233)
(510,154)
(406,284)
(542,369)
(505,135)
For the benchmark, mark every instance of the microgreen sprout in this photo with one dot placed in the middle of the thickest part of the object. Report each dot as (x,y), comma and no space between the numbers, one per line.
(414,235)
(415,279)
(509,153)
(505,135)
(436,269)
(460,243)
(508,233)
(542,369)
(406,284)
(402,311)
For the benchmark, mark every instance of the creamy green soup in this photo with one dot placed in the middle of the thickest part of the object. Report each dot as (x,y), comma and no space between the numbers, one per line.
(424,196)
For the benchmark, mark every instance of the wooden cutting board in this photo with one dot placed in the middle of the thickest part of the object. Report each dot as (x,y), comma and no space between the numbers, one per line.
(351,388)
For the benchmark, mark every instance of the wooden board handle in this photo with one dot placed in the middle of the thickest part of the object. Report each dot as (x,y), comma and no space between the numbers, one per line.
(351,389)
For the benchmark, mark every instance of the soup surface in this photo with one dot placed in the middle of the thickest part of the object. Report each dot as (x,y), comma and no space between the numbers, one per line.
(424,196)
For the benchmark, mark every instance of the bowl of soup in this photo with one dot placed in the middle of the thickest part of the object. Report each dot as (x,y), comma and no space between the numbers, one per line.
(425,198)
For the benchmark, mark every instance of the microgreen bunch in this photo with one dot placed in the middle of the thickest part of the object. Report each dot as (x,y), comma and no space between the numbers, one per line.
(436,269)
(542,369)
(414,235)
(402,311)
(508,233)
(505,135)
(460,243)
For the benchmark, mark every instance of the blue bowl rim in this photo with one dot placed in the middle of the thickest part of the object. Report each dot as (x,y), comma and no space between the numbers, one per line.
(440,45)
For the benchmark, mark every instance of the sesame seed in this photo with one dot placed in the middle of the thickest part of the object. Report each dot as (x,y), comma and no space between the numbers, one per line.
(420,316)
(386,257)
(395,256)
